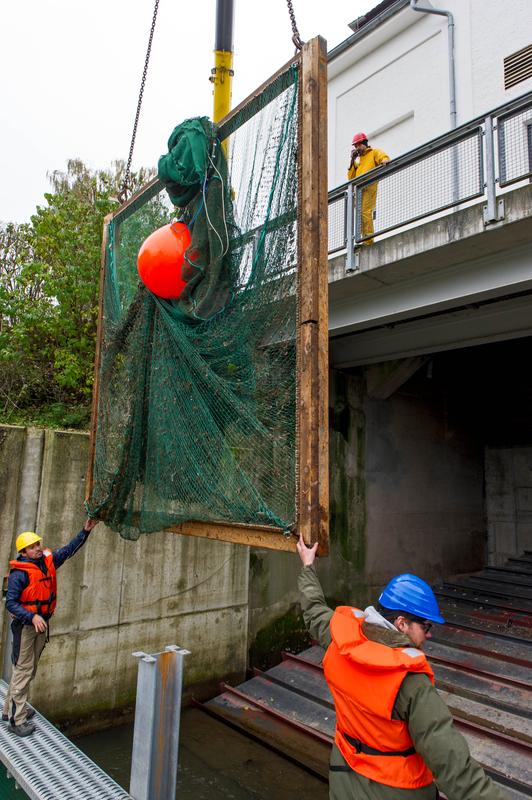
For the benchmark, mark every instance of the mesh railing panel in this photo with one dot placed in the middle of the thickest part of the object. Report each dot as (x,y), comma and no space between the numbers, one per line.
(453,174)
(337,223)
(197,400)
(515,146)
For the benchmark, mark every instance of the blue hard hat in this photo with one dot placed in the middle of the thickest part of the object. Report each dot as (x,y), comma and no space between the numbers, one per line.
(411,594)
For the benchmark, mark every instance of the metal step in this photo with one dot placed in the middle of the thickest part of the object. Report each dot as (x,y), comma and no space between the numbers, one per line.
(48,766)
(504,648)
(523,559)
(467,594)
(481,664)
(503,576)
(495,588)
(491,620)
(513,569)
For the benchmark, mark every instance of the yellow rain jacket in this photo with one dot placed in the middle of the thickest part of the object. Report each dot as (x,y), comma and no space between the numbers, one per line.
(370,159)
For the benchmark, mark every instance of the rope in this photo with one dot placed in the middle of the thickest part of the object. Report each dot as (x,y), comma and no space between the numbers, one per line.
(296,38)
(124,191)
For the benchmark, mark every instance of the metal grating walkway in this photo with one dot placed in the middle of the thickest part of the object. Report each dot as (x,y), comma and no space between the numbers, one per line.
(47,766)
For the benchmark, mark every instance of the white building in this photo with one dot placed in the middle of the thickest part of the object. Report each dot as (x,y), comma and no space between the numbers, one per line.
(431,326)
(391,77)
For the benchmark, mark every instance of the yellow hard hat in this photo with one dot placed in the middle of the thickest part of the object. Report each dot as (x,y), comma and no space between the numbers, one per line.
(25,539)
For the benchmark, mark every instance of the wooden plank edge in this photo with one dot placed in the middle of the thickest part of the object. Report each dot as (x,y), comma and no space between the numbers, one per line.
(312,340)
(264,536)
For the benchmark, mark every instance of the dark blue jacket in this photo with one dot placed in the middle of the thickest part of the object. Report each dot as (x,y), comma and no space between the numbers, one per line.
(18,578)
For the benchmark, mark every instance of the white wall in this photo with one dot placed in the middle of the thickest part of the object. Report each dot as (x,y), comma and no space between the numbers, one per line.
(394,85)
(498,29)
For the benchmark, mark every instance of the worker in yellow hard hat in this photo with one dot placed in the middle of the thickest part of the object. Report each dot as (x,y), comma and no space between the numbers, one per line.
(31,601)
(363,159)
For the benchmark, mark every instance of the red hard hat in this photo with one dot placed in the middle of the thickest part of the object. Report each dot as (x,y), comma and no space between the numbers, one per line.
(359,137)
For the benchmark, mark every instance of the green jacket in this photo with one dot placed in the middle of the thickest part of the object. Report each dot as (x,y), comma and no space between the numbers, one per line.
(430,723)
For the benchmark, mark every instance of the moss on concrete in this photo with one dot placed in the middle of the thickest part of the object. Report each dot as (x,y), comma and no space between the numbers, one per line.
(348,476)
(287,632)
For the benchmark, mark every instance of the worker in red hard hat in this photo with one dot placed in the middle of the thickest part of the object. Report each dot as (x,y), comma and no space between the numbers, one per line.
(395,738)
(363,159)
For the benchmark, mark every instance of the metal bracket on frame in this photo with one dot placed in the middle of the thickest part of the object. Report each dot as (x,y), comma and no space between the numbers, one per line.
(352,259)
(490,217)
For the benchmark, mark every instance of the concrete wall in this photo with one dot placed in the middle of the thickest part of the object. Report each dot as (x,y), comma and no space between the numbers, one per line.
(406,486)
(393,83)
(508,501)
(116,597)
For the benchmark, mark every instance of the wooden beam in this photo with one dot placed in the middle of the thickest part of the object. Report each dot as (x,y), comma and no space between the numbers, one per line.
(97,361)
(313,401)
(312,499)
(253,536)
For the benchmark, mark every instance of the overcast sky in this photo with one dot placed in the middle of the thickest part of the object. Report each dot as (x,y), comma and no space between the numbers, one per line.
(71,74)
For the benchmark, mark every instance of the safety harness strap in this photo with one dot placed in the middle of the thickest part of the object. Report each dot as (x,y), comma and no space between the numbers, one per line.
(360,747)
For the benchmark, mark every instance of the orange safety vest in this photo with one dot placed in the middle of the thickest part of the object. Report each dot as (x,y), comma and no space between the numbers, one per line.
(364,678)
(40,595)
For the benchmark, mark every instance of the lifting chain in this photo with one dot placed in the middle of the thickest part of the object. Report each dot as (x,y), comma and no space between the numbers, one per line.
(124,191)
(296,38)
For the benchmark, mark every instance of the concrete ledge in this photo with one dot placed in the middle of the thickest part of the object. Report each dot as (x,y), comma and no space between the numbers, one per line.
(456,238)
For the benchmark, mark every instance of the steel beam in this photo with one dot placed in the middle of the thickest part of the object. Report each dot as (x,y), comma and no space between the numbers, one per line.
(157,717)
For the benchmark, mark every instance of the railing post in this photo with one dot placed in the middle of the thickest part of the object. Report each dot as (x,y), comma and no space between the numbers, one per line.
(157,716)
(358,213)
(349,258)
(494,208)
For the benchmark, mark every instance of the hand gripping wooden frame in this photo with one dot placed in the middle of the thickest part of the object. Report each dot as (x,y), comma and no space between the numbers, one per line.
(312,438)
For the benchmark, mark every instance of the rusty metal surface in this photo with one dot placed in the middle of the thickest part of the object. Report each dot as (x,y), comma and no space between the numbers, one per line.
(504,648)
(273,731)
(502,623)
(482,660)
(467,594)
(496,588)
(487,665)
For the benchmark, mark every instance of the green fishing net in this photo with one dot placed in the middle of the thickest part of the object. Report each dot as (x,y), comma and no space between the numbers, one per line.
(196,399)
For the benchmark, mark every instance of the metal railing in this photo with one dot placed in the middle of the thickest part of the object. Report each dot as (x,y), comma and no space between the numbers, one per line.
(476,160)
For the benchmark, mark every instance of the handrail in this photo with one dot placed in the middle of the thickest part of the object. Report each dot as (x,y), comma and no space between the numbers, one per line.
(521,102)
(460,181)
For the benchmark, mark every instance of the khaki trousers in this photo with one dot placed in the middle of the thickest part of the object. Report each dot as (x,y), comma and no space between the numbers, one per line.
(25,659)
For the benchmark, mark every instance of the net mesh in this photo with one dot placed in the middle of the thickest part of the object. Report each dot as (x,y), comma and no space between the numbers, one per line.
(197,397)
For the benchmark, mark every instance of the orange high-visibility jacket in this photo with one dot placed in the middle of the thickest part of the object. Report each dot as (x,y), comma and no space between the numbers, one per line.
(40,595)
(364,678)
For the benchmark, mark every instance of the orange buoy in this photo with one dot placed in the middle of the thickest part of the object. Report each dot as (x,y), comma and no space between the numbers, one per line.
(160,260)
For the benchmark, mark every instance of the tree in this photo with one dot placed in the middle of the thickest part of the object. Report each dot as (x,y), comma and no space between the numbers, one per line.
(49,290)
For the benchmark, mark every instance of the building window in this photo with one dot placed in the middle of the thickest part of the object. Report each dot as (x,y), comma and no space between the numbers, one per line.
(518,67)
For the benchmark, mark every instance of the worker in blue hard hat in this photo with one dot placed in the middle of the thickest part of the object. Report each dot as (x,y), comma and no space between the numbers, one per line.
(395,738)
(31,599)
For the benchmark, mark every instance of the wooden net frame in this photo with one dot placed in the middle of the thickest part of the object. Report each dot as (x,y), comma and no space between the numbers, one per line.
(312,433)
